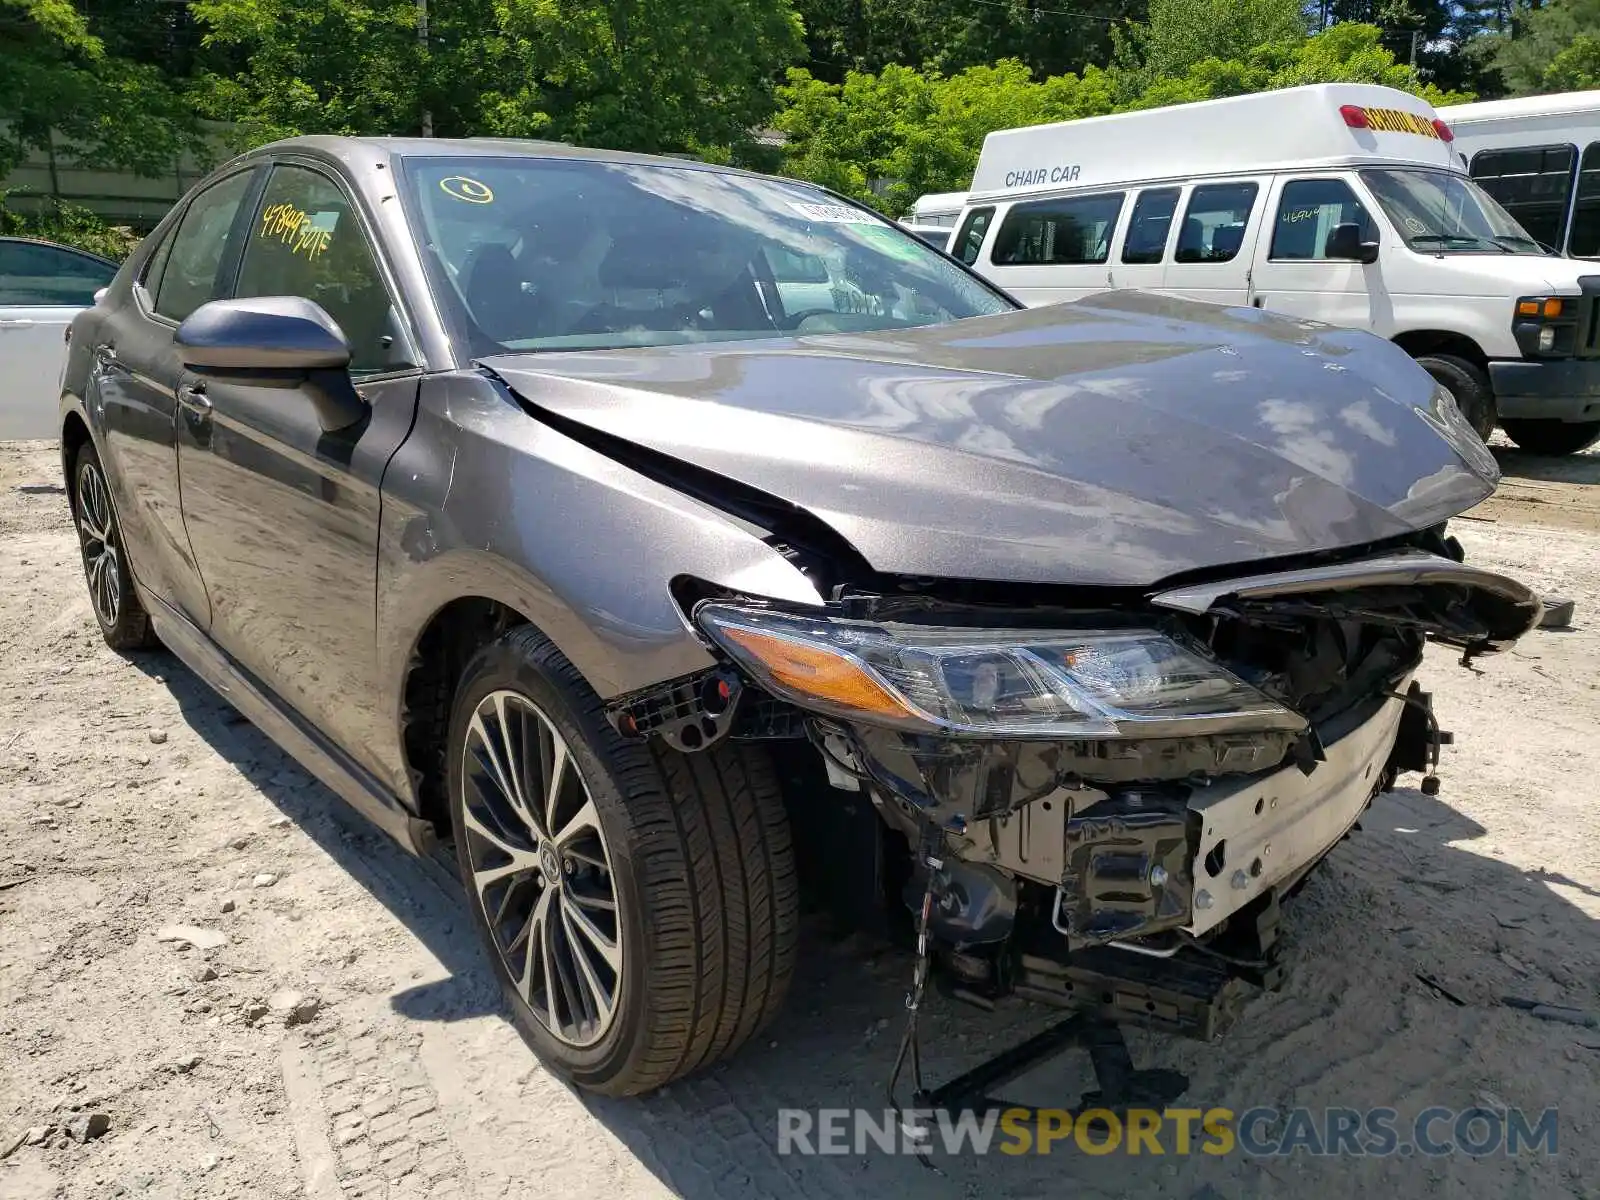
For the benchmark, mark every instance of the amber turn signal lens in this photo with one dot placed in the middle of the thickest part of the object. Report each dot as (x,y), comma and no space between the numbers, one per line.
(814,671)
(1552,307)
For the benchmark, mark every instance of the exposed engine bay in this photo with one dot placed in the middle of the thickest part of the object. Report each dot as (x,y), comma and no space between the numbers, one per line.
(1099,808)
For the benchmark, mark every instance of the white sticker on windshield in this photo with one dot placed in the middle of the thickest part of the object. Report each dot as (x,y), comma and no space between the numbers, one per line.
(838,214)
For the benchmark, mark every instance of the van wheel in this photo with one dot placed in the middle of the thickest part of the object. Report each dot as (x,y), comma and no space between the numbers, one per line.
(1469,384)
(639,905)
(1553,437)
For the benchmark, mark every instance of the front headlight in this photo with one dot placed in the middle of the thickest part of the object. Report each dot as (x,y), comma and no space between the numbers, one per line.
(991,683)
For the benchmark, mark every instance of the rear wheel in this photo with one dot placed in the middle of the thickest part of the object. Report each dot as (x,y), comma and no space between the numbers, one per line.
(1552,437)
(639,905)
(123,621)
(1469,384)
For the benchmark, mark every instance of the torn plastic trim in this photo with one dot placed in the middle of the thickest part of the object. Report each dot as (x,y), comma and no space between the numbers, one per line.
(1507,609)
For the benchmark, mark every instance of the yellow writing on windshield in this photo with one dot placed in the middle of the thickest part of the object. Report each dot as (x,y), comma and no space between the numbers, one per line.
(297,230)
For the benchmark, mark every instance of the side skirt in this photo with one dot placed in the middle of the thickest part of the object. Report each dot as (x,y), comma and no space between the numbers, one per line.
(307,745)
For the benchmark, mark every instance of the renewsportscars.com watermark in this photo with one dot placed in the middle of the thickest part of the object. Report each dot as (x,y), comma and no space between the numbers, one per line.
(1259,1132)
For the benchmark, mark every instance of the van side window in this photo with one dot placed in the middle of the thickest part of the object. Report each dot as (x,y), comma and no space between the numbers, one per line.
(1584,241)
(1148,226)
(969,241)
(1214,222)
(1309,211)
(1532,183)
(1066,232)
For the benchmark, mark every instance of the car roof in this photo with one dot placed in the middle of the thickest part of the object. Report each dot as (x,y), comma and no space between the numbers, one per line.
(33,241)
(352,150)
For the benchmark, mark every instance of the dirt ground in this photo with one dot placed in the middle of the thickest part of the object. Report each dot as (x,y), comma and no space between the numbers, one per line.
(343,1037)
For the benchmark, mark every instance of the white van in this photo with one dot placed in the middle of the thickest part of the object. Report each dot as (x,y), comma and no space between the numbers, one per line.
(1341,203)
(938,208)
(1540,157)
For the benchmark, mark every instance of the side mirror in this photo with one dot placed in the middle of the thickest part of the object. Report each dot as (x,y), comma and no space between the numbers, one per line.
(275,341)
(1345,242)
(264,333)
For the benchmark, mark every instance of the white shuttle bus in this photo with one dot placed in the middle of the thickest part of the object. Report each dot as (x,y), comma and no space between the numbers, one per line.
(938,208)
(1540,157)
(1340,203)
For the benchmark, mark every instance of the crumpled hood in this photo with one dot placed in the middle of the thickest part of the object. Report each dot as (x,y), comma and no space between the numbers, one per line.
(1116,441)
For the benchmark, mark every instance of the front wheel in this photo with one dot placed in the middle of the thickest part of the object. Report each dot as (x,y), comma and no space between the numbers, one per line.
(1469,385)
(1552,437)
(639,906)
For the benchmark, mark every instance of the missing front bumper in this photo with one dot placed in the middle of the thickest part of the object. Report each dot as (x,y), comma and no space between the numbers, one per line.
(1257,834)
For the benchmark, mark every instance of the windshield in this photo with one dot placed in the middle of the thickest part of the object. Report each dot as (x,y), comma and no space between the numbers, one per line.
(1440,213)
(534,254)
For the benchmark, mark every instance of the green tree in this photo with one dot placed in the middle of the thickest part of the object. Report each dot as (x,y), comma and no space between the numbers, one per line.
(313,66)
(1181,33)
(1546,48)
(1577,67)
(659,75)
(57,79)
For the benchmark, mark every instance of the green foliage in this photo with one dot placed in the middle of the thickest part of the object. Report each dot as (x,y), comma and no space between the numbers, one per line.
(1576,67)
(889,137)
(1551,48)
(70,225)
(55,75)
(673,75)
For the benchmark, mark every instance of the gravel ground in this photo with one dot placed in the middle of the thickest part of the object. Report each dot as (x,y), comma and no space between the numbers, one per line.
(329,1029)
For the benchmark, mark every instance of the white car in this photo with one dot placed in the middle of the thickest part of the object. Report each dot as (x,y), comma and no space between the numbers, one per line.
(42,287)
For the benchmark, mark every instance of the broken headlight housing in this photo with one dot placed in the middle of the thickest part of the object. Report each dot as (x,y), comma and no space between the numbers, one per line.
(990,683)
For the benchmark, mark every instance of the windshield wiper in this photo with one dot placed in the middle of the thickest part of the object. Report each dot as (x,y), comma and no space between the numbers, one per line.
(1447,239)
(1506,241)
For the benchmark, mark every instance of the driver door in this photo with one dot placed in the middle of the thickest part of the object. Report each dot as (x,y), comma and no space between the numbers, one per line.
(282,513)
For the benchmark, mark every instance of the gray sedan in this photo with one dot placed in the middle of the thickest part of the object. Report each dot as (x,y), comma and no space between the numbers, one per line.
(660,540)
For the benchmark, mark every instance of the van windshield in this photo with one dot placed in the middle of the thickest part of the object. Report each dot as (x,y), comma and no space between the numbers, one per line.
(535,254)
(1440,213)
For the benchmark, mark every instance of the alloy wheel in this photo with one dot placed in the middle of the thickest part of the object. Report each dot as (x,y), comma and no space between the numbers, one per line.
(97,532)
(541,870)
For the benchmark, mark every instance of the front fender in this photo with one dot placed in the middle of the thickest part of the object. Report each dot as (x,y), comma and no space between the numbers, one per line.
(483,500)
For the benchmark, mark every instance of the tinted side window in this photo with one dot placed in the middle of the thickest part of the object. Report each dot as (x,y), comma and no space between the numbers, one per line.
(1309,211)
(50,276)
(156,264)
(1584,241)
(969,240)
(1532,183)
(1071,231)
(190,277)
(1148,226)
(306,241)
(1214,223)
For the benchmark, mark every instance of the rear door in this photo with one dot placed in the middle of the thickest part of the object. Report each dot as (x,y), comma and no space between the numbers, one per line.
(1050,251)
(283,515)
(1293,273)
(135,380)
(1215,242)
(42,287)
(1141,253)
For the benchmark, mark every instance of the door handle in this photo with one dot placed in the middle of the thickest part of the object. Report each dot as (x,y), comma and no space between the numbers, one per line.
(20,323)
(194,399)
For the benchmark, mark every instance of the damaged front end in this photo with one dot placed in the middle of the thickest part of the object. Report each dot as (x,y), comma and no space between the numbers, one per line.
(1103,805)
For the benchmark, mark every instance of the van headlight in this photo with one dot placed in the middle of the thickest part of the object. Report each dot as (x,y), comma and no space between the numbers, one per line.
(991,683)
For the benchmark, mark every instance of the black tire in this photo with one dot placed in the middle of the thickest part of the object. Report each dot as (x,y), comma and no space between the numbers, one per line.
(1552,437)
(701,871)
(1469,384)
(123,620)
